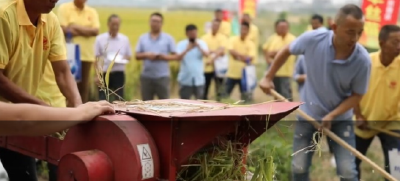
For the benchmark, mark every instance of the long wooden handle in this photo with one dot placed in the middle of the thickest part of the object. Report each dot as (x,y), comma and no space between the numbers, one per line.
(338,140)
(388,132)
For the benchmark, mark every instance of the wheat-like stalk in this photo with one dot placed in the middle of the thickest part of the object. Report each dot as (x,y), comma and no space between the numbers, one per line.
(104,80)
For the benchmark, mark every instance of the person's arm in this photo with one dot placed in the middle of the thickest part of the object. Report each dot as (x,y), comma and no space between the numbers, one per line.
(236,54)
(35,120)
(77,30)
(299,73)
(62,71)
(15,94)
(8,89)
(202,46)
(181,52)
(359,87)
(66,83)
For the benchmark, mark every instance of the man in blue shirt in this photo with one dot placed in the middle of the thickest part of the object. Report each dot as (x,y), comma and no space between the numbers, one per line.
(338,70)
(191,77)
(155,48)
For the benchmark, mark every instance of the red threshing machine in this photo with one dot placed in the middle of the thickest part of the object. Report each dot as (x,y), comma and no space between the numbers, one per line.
(134,145)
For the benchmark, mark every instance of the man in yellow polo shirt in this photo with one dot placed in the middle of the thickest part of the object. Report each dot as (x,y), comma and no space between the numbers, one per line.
(28,43)
(225,27)
(254,33)
(217,44)
(379,107)
(280,39)
(242,51)
(82,23)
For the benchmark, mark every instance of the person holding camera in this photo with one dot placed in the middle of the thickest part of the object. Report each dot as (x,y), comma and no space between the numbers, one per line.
(191,77)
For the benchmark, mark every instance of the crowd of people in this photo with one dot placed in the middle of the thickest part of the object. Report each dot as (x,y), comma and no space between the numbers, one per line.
(338,80)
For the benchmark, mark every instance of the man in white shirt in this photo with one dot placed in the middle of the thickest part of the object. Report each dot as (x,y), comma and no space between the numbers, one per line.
(106,47)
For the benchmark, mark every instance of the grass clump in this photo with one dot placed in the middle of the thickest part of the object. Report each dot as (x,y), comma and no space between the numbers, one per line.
(223,162)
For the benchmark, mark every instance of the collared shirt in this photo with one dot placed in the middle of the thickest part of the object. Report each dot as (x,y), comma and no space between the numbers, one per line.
(105,45)
(380,105)
(276,42)
(164,44)
(49,91)
(329,81)
(191,70)
(244,47)
(26,49)
(300,69)
(213,43)
(69,14)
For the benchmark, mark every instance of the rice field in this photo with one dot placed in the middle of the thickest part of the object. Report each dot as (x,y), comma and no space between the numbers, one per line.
(135,23)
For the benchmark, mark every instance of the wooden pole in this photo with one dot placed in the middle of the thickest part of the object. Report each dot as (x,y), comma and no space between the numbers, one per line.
(338,140)
(388,132)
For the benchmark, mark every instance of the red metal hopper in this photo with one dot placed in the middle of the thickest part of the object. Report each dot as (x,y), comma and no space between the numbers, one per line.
(137,145)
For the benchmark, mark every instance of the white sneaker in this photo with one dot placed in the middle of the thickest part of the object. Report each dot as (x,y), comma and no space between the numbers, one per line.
(333,162)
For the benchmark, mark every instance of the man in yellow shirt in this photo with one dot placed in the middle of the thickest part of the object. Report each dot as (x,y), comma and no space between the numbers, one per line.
(254,33)
(379,107)
(280,39)
(82,23)
(217,44)
(28,43)
(225,27)
(242,52)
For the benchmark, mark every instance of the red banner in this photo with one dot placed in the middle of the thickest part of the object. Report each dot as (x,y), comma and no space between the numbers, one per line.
(377,14)
(249,7)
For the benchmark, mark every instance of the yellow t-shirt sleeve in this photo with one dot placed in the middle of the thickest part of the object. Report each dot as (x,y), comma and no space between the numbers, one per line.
(57,49)
(267,44)
(62,15)
(96,21)
(5,43)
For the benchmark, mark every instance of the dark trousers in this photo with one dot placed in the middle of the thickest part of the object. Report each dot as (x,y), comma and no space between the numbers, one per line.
(218,85)
(151,87)
(116,83)
(84,84)
(230,85)
(283,86)
(19,167)
(388,143)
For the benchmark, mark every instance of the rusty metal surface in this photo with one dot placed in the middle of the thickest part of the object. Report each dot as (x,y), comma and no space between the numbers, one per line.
(121,138)
(92,165)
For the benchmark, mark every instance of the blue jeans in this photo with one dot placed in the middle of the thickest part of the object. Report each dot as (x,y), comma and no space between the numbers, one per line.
(345,160)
